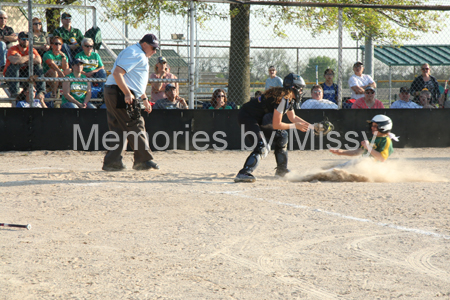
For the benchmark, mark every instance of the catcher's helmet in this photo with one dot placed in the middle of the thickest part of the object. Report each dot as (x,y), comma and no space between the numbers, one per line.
(293,80)
(384,123)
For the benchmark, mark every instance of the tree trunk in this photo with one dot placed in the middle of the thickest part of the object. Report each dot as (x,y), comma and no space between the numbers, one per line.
(239,72)
(53,19)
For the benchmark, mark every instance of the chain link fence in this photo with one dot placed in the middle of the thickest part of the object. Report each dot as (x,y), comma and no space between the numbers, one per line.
(234,53)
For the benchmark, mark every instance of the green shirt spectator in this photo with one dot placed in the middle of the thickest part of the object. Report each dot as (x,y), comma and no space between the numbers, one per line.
(78,90)
(93,62)
(57,59)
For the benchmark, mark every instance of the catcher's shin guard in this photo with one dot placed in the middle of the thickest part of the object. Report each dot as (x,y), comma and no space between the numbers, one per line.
(253,159)
(281,153)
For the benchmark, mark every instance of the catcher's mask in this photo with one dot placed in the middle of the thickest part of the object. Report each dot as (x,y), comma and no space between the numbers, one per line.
(296,83)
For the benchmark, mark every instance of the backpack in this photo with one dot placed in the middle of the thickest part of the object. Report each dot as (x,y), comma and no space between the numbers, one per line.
(96,35)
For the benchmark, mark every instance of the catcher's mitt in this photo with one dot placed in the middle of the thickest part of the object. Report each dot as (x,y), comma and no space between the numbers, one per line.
(323,127)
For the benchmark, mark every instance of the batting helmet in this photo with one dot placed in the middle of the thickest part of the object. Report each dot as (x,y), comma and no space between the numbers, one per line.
(384,123)
(293,80)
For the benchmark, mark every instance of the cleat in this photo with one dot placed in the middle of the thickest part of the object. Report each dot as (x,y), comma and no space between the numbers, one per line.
(117,166)
(146,165)
(244,177)
(281,172)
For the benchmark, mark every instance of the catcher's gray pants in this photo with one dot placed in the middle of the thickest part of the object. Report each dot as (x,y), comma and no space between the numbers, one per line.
(117,119)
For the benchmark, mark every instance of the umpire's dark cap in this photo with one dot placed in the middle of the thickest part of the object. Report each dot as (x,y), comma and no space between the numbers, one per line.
(150,39)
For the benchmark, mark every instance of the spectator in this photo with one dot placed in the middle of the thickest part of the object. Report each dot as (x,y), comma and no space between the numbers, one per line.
(273,80)
(425,99)
(7,36)
(94,66)
(71,37)
(162,71)
(55,64)
(425,81)
(404,100)
(17,65)
(172,100)
(317,101)
(219,100)
(40,38)
(330,89)
(23,99)
(443,103)
(359,81)
(369,100)
(76,94)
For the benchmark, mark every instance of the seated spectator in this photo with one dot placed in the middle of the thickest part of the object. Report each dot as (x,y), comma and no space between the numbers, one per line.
(317,101)
(425,99)
(76,94)
(162,71)
(7,36)
(94,66)
(71,38)
(330,89)
(404,100)
(17,65)
(425,81)
(172,100)
(40,38)
(55,64)
(273,80)
(443,103)
(219,100)
(369,100)
(23,99)
(359,81)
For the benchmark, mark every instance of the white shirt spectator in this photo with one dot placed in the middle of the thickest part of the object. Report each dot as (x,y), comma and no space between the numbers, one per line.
(362,80)
(319,104)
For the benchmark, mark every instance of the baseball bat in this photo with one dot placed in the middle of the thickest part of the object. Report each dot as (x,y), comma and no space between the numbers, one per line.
(28,226)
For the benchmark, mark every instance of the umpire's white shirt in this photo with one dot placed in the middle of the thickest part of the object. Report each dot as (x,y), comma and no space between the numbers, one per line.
(135,64)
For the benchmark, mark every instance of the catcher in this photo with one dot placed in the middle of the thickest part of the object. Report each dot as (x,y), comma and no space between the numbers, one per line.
(262,116)
(381,148)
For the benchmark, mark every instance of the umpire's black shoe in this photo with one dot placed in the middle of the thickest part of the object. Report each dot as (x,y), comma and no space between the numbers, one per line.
(146,165)
(115,166)
(281,172)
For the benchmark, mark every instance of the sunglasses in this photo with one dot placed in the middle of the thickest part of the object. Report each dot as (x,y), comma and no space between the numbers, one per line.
(68,19)
(370,92)
(89,46)
(330,74)
(317,92)
(272,70)
(57,44)
(425,69)
(3,18)
(24,39)
(37,23)
(220,96)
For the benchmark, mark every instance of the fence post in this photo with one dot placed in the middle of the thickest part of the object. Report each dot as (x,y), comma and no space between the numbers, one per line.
(340,67)
(192,58)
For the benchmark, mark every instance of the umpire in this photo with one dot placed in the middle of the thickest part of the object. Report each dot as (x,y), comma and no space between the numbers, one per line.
(127,82)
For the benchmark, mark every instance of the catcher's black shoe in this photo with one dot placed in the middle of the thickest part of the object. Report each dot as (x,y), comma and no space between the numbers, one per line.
(244,177)
(146,165)
(281,172)
(115,166)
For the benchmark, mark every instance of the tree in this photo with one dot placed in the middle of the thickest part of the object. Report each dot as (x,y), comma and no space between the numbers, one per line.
(323,63)
(261,61)
(53,15)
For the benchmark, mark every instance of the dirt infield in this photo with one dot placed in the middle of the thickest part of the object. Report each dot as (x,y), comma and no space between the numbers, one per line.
(188,231)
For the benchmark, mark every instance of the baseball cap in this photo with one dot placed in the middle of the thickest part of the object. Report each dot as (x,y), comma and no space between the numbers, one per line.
(151,40)
(170,86)
(369,88)
(358,63)
(162,60)
(66,15)
(404,89)
(23,35)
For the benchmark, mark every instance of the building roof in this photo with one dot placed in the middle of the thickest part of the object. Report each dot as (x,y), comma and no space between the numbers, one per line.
(414,55)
